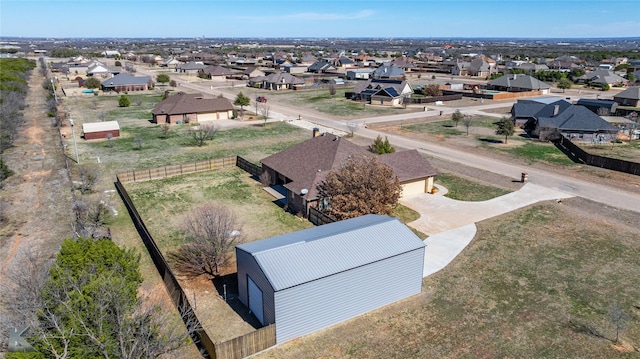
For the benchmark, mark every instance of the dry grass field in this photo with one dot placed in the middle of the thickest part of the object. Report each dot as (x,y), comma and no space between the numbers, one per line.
(534,283)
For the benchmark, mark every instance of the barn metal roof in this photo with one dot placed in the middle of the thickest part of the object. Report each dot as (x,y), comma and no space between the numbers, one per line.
(100,126)
(304,256)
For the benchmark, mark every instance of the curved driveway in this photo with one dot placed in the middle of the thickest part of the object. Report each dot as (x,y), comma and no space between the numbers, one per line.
(450,224)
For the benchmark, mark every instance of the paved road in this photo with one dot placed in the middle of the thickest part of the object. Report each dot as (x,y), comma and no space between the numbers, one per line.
(599,192)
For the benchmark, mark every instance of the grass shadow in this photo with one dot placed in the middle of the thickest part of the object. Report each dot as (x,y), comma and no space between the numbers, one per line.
(227,285)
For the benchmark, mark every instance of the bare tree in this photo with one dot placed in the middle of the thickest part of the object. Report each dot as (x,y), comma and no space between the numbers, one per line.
(138,140)
(202,133)
(352,127)
(166,128)
(90,218)
(456,117)
(88,176)
(265,111)
(332,88)
(618,317)
(110,140)
(212,231)
(466,122)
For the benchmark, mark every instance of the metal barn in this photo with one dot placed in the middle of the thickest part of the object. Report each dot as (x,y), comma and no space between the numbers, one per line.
(314,278)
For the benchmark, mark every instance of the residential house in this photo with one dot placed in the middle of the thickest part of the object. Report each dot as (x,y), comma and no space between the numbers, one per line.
(481,67)
(215,73)
(388,72)
(301,168)
(629,97)
(382,92)
(294,69)
(460,68)
(185,108)
(277,81)
(561,119)
(171,62)
(359,74)
(531,68)
(98,68)
(311,279)
(126,82)
(599,107)
(518,83)
(601,77)
(252,72)
(524,113)
(191,67)
(111,53)
(321,66)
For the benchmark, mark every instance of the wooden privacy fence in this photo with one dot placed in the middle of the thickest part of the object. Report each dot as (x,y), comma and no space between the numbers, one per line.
(174,289)
(318,218)
(599,161)
(235,348)
(247,344)
(249,167)
(175,170)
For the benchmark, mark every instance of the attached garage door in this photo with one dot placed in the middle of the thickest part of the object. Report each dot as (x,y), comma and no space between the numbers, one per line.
(255,299)
(412,188)
(202,117)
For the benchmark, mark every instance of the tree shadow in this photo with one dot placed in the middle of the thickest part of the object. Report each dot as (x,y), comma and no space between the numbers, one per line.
(227,285)
(490,140)
(585,328)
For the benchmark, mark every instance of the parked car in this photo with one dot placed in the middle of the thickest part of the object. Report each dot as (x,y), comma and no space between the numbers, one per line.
(261,99)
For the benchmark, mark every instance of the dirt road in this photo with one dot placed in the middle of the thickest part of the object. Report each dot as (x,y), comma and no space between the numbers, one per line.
(36,200)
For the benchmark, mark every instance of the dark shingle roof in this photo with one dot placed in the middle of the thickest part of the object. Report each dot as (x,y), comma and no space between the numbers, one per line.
(183,103)
(519,81)
(632,93)
(577,118)
(307,163)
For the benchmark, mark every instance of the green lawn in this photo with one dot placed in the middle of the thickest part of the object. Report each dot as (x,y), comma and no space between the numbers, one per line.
(539,152)
(465,190)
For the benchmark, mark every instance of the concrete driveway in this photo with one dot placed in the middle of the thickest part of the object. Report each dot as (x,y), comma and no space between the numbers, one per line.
(450,224)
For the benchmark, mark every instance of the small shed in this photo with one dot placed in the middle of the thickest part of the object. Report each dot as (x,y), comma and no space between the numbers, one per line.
(96,130)
(314,278)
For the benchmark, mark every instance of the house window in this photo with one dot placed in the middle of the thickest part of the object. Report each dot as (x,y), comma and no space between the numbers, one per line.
(581,135)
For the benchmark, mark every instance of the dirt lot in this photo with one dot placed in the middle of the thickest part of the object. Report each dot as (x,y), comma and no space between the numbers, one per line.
(36,200)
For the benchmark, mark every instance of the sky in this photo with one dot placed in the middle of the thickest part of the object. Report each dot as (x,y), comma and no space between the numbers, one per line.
(320,19)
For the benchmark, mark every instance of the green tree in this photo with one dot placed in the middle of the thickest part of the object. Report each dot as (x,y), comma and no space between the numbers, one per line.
(124,101)
(242,101)
(92,83)
(361,185)
(118,64)
(163,78)
(381,147)
(505,127)
(564,84)
(89,307)
(631,77)
(605,87)
(456,117)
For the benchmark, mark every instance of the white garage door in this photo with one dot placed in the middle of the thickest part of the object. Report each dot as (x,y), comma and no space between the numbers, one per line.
(412,188)
(203,117)
(255,300)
